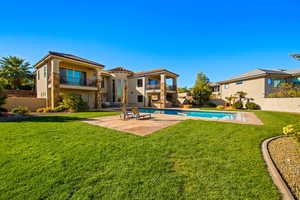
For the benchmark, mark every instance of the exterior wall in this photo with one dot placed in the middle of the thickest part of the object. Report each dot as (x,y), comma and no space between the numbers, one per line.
(41,83)
(280,104)
(255,89)
(134,91)
(31,103)
(88,96)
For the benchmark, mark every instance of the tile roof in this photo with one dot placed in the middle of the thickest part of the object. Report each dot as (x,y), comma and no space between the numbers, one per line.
(153,71)
(119,69)
(69,56)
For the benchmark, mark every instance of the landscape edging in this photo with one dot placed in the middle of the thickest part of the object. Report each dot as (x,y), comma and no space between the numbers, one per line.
(273,171)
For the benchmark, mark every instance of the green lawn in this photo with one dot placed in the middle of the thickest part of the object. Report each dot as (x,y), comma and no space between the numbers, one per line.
(59,157)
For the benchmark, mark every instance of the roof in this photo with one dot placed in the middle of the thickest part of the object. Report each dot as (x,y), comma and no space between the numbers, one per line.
(68,56)
(119,69)
(262,72)
(153,71)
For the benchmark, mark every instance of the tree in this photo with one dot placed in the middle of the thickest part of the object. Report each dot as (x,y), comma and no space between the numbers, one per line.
(3,96)
(241,95)
(201,90)
(183,90)
(16,71)
(296,56)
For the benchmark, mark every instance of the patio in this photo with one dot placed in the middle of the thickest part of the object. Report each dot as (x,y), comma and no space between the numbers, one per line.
(160,121)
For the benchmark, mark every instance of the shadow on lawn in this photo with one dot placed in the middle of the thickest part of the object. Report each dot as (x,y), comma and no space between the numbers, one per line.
(31,118)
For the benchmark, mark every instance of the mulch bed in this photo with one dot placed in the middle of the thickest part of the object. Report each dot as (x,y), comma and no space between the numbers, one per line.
(285,153)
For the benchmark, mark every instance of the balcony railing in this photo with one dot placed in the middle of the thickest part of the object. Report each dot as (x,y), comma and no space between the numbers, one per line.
(157,87)
(77,81)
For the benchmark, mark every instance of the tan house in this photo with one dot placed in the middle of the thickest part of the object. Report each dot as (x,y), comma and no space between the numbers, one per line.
(258,84)
(59,73)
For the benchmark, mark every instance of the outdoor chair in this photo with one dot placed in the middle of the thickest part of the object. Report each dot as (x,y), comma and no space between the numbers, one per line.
(138,115)
(125,114)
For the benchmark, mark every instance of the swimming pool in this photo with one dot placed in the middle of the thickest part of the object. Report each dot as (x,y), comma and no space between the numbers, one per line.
(189,113)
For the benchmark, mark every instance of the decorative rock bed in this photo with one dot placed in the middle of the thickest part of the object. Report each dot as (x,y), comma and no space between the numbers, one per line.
(285,153)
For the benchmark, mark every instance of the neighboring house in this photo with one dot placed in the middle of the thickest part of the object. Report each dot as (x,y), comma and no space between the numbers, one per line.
(258,84)
(59,73)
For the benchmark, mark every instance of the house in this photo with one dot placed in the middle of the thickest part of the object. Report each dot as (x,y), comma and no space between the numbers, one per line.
(258,84)
(59,73)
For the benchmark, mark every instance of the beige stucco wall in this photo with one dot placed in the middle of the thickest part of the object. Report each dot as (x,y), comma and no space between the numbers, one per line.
(134,91)
(30,102)
(280,104)
(41,84)
(87,96)
(255,89)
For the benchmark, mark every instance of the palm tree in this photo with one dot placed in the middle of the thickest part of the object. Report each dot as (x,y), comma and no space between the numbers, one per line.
(295,55)
(15,70)
(241,95)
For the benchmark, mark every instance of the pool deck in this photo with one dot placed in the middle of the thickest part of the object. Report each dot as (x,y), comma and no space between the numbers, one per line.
(160,121)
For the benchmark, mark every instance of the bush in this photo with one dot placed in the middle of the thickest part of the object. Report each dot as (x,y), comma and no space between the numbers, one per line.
(40,110)
(292,130)
(3,110)
(48,109)
(238,105)
(252,106)
(211,104)
(20,110)
(60,108)
(74,103)
(220,107)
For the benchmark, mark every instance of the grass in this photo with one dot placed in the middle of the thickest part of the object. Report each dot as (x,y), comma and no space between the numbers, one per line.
(59,157)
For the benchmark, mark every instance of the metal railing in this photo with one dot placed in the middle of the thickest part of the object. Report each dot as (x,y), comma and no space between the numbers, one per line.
(77,81)
(157,87)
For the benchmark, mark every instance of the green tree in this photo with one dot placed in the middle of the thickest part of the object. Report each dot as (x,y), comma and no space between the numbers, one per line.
(183,90)
(241,95)
(201,90)
(16,71)
(296,56)
(3,96)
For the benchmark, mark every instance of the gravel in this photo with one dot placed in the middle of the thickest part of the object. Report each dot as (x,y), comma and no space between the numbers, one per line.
(285,152)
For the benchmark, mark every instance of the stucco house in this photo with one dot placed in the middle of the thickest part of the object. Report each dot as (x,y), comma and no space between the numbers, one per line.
(59,73)
(258,84)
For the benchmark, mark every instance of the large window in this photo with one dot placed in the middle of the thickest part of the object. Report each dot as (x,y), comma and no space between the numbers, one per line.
(140,82)
(226,86)
(275,82)
(72,77)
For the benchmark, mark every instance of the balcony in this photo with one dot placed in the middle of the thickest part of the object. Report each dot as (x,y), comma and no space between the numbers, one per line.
(156,87)
(77,83)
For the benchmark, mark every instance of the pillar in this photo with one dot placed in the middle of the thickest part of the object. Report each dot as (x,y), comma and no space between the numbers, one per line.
(98,95)
(55,82)
(175,95)
(163,91)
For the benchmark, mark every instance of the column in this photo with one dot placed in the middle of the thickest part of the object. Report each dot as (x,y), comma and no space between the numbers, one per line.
(175,95)
(55,82)
(98,96)
(163,91)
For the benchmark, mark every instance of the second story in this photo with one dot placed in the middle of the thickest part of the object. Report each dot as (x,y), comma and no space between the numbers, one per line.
(258,83)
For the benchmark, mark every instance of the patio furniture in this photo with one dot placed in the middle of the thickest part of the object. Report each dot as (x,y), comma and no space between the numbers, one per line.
(125,114)
(138,115)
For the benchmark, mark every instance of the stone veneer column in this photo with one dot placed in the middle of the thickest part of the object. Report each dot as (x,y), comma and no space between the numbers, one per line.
(163,91)
(175,95)
(55,82)
(98,101)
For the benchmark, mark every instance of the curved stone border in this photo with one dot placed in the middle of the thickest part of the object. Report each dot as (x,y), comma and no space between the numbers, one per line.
(273,171)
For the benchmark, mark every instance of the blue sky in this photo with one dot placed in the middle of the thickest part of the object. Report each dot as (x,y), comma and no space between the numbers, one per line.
(219,38)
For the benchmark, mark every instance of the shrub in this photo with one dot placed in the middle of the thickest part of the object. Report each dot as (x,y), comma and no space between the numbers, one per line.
(48,109)
(252,106)
(74,103)
(40,110)
(60,108)
(220,107)
(20,110)
(211,104)
(3,110)
(292,130)
(238,105)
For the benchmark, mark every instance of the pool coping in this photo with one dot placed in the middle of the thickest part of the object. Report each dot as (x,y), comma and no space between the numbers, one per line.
(244,117)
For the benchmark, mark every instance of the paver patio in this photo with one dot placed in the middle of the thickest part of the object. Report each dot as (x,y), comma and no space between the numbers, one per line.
(157,122)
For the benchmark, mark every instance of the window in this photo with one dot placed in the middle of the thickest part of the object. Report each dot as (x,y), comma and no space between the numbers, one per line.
(45,71)
(38,74)
(140,98)
(226,86)
(72,77)
(275,82)
(296,80)
(102,84)
(239,82)
(140,82)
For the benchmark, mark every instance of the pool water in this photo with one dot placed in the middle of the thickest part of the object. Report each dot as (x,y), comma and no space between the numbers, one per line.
(218,115)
